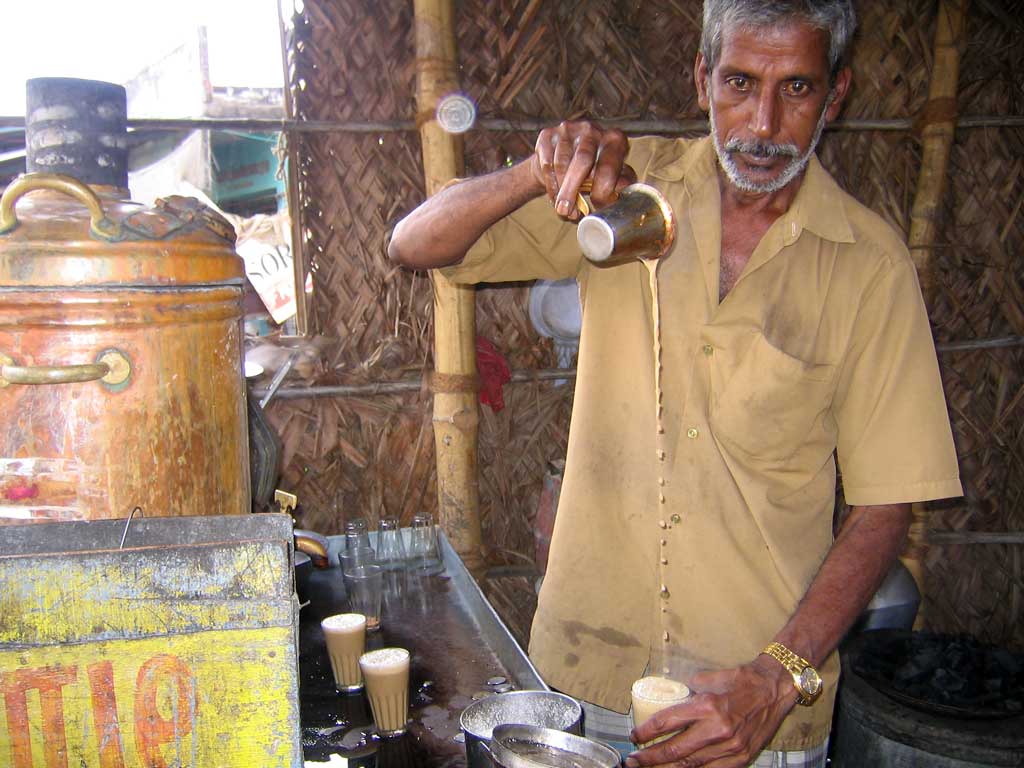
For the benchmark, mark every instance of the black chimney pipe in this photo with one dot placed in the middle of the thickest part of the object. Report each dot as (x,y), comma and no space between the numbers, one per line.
(79,128)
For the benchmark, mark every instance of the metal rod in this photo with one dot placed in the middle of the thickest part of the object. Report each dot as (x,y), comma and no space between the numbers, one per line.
(124,535)
(411,384)
(344,390)
(689,125)
(976,537)
(415,384)
(963,346)
(511,571)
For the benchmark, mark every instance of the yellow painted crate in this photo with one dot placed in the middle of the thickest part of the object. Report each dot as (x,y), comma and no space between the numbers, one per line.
(178,650)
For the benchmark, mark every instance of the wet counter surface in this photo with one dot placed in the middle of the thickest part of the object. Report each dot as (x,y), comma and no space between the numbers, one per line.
(459,650)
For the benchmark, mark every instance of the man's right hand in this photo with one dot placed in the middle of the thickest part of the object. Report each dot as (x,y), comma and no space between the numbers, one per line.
(567,155)
(440,231)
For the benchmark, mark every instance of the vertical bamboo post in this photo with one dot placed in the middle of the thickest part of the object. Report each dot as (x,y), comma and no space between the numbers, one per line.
(937,125)
(292,188)
(454,381)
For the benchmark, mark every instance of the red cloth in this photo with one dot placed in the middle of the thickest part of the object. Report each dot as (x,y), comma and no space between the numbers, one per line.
(494,373)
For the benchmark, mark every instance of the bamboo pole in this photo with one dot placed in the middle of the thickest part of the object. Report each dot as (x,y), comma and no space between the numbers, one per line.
(292,191)
(937,124)
(454,381)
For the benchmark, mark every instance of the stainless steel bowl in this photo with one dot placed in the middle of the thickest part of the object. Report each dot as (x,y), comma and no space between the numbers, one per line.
(528,746)
(545,709)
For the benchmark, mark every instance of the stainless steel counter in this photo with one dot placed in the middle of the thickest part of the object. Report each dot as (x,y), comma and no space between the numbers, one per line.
(458,644)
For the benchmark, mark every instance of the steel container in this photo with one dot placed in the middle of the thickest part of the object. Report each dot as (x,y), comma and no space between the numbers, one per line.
(530,746)
(639,225)
(546,709)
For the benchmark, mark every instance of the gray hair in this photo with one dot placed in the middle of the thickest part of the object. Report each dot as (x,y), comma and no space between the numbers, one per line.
(836,17)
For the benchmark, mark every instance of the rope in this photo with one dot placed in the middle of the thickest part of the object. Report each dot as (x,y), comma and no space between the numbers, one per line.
(935,112)
(453,383)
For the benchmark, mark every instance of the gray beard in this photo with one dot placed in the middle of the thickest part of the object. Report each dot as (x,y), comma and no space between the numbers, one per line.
(792,169)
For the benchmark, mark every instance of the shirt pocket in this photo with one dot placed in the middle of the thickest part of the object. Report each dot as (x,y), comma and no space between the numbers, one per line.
(771,402)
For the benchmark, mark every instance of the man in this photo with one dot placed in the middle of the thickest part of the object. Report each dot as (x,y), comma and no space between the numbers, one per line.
(792,329)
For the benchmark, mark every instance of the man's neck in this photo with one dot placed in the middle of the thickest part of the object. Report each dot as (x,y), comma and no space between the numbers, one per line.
(745,219)
(738,202)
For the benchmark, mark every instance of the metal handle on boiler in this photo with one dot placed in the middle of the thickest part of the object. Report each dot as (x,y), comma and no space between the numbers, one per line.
(99,225)
(111,368)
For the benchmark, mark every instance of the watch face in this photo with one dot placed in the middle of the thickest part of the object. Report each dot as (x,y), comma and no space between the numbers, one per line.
(810,682)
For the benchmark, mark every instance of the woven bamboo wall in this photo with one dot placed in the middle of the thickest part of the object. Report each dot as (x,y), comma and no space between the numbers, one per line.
(353,60)
(980,588)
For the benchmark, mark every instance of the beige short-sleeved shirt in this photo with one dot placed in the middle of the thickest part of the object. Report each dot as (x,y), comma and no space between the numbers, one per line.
(713,531)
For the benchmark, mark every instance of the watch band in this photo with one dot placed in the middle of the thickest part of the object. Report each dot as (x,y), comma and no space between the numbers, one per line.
(805,677)
(795,664)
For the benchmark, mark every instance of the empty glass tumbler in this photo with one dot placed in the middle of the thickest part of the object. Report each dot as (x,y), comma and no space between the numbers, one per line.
(356,533)
(423,551)
(352,558)
(390,546)
(365,585)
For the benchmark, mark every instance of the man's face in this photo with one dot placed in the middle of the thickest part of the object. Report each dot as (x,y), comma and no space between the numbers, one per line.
(769,99)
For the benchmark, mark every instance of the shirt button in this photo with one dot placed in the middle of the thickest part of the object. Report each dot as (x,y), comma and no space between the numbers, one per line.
(692,433)
(708,350)
(664,592)
(662,524)
(664,561)
(676,518)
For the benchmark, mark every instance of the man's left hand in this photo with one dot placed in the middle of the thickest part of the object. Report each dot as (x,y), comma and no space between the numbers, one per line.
(725,723)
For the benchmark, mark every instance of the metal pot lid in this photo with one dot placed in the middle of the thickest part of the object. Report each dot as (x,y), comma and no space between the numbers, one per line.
(541,708)
(530,746)
(57,231)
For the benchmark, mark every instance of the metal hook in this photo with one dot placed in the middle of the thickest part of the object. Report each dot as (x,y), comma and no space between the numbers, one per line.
(127,523)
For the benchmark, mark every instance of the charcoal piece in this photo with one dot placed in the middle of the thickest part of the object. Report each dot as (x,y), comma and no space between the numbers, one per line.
(947,682)
(948,674)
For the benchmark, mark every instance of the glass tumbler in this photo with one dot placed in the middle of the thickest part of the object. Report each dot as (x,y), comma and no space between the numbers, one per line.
(652,694)
(365,588)
(667,682)
(423,552)
(356,533)
(386,672)
(345,637)
(352,558)
(390,547)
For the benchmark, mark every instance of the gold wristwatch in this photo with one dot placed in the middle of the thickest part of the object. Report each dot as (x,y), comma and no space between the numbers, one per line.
(805,677)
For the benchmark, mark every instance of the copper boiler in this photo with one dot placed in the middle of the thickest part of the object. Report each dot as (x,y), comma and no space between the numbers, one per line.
(120,331)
